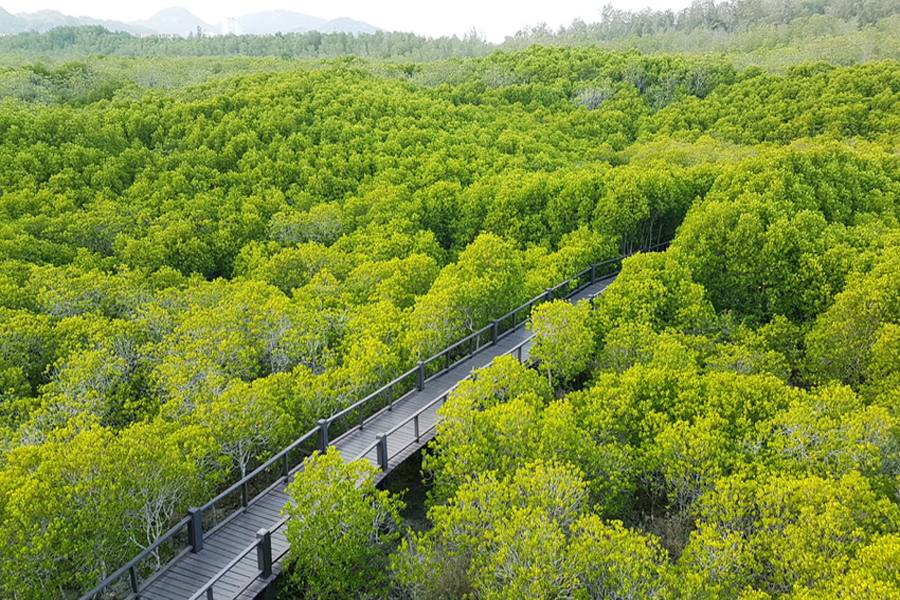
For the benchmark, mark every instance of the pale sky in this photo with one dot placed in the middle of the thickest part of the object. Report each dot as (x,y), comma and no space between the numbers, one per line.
(492,19)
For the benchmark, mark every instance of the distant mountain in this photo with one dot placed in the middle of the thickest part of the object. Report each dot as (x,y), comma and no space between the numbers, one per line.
(274,21)
(286,21)
(10,23)
(45,20)
(345,25)
(180,21)
(177,20)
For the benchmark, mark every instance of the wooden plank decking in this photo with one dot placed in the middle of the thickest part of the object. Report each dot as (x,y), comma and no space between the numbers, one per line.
(184,577)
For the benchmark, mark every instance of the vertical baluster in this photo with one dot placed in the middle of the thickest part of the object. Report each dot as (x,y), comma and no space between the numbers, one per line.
(264,553)
(323,435)
(382,452)
(195,529)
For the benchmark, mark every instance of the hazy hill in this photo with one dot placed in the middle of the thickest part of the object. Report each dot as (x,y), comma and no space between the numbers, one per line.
(284,21)
(346,25)
(177,20)
(45,20)
(180,21)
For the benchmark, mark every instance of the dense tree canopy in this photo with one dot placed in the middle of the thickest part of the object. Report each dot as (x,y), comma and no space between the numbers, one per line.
(192,274)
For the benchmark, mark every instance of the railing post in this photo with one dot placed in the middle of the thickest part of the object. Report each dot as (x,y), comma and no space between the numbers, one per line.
(323,435)
(416,420)
(264,552)
(420,375)
(382,452)
(495,327)
(362,418)
(195,529)
(593,274)
(245,495)
(519,353)
(390,392)
(286,465)
(132,572)
(549,295)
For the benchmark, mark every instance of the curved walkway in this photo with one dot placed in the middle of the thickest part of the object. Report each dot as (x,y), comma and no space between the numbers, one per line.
(234,561)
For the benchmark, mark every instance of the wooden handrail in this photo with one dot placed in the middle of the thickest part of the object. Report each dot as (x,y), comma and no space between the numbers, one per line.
(131,564)
(206,590)
(442,398)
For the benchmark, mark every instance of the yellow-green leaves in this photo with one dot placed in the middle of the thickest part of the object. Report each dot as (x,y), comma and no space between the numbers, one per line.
(340,527)
(492,421)
(503,536)
(564,342)
(831,432)
(781,534)
(841,342)
(658,290)
(611,561)
(486,282)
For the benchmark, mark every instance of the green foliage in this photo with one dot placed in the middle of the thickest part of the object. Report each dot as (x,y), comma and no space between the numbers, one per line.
(831,432)
(485,282)
(470,439)
(201,257)
(777,237)
(842,340)
(340,528)
(781,534)
(506,533)
(655,289)
(614,562)
(564,342)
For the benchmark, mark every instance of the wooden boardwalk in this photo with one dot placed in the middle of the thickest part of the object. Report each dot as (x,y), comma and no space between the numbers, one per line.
(189,575)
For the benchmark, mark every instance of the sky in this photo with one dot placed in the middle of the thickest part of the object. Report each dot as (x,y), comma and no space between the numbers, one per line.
(491,19)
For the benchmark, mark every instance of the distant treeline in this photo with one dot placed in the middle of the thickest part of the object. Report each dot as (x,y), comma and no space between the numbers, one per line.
(71,42)
(761,26)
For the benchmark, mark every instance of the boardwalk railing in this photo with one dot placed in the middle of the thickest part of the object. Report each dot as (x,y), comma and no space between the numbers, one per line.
(262,546)
(379,446)
(289,459)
